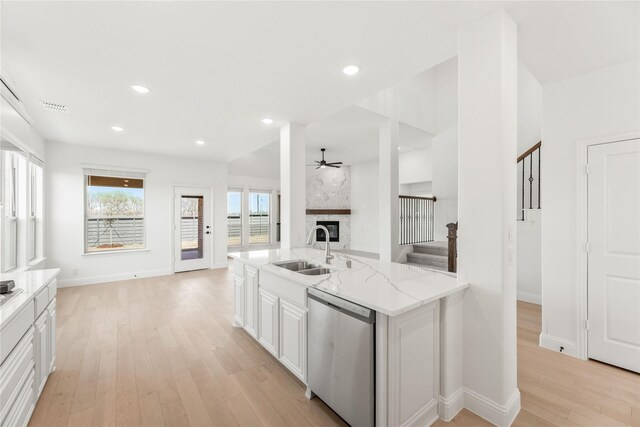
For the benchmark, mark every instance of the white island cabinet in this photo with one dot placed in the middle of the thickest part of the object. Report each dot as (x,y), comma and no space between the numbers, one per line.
(27,353)
(408,328)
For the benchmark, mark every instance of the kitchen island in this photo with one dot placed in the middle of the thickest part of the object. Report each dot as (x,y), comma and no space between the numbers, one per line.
(28,342)
(271,303)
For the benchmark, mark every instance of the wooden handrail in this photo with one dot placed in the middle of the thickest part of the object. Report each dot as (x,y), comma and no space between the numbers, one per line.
(522,156)
(434,198)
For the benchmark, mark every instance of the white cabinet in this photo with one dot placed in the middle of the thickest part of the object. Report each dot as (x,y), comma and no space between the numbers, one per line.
(251,305)
(238,301)
(293,338)
(41,341)
(268,321)
(51,335)
(413,366)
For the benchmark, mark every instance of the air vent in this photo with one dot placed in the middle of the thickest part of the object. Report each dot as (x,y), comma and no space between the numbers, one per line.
(55,107)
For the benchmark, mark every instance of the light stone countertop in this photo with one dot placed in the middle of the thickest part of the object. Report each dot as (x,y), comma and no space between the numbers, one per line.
(31,282)
(388,287)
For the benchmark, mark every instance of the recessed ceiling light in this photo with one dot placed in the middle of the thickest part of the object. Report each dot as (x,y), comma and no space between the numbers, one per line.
(267,121)
(126,185)
(200,142)
(117,128)
(351,70)
(399,148)
(140,88)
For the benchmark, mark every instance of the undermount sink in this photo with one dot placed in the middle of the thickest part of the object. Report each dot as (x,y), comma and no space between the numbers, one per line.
(303,267)
(297,265)
(315,271)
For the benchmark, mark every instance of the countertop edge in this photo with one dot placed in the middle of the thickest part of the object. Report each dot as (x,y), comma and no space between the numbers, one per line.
(26,297)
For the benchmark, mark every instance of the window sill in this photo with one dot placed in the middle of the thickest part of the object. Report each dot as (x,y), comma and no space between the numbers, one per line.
(126,251)
(36,261)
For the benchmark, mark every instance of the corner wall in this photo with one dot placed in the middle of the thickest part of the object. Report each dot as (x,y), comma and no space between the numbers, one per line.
(65,212)
(600,103)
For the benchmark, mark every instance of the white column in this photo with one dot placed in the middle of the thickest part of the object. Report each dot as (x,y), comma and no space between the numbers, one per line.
(292,186)
(487,107)
(388,188)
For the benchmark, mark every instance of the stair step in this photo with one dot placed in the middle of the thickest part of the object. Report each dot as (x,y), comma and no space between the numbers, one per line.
(433,248)
(428,259)
(430,267)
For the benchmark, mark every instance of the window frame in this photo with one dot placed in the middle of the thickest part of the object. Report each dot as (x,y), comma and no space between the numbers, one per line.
(113,173)
(270,225)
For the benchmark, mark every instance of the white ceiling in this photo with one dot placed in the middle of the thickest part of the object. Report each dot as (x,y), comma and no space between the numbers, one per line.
(216,69)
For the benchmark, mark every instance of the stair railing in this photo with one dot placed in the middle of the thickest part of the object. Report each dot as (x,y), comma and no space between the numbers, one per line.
(452,238)
(527,158)
(416,219)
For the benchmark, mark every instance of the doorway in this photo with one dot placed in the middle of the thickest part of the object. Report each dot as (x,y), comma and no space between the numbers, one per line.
(192,228)
(613,253)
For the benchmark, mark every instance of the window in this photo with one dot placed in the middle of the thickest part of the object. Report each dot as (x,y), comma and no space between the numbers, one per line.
(259,218)
(234,218)
(34,215)
(114,211)
(10,176)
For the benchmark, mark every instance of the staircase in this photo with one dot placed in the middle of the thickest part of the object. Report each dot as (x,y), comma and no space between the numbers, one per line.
(432,255)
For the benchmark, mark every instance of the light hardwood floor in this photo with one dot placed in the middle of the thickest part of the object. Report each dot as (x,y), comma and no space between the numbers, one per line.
(162,351)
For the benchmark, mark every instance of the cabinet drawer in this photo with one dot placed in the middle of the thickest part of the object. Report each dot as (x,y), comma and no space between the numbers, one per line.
(53,289)
(23,406)
(11,334)
(14,372)
(42,301)
(292,292)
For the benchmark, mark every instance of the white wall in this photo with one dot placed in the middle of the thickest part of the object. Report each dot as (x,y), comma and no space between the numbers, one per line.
(364,207)
(421,189)
(445,181)
(252,182)
(529,109)
(414,98)
(600,103)
(415,165)
(65,212)
(529,258)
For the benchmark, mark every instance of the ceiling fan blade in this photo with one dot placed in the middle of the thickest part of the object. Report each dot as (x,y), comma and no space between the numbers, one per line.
(318,167)
(330,165)
(335,163)
(318,162)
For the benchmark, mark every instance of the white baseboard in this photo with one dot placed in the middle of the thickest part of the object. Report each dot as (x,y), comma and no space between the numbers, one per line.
(93,280)
(554,344)
(449,407)
(528,297)
(499,415)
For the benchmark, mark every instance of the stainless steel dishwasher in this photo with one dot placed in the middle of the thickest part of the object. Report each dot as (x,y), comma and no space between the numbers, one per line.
(342,356)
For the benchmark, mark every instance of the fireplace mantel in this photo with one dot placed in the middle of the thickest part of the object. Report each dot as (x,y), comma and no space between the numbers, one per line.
(328,211)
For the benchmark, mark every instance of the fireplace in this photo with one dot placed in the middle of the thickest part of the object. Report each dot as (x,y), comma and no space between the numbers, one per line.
(334,231)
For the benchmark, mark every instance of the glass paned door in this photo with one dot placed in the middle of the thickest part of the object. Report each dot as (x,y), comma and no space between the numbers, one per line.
(192,226)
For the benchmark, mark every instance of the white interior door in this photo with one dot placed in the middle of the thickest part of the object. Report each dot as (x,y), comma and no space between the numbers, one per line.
(614,254)
(192,228)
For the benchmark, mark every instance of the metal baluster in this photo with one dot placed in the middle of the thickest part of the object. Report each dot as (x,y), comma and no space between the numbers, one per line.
(522,191)
(539,152)
(531,181)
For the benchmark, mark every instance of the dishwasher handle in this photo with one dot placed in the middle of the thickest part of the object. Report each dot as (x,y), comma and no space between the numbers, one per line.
(356,311)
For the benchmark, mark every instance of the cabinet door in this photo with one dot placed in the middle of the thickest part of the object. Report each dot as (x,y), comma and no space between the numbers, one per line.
(41,339)
(51,334)
(238,301)
(293,339)
(251,307)
(268,321)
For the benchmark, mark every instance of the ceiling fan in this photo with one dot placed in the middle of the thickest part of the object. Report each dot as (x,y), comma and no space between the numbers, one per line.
(323,164)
